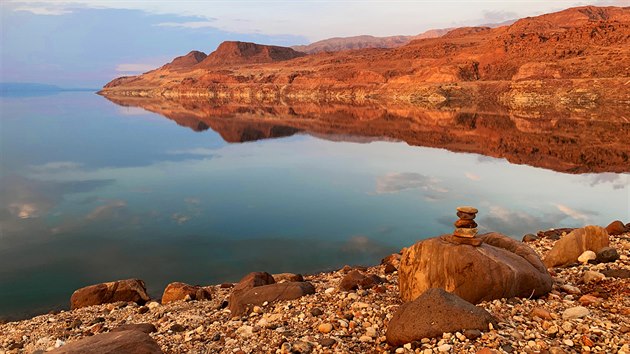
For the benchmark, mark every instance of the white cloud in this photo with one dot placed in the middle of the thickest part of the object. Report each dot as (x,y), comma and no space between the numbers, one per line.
(193,24)
(395,182)
(471,176)
(324,19)
(106,211)
(55,166)
(135,67)
(45,11)
(575,214)
(194,151)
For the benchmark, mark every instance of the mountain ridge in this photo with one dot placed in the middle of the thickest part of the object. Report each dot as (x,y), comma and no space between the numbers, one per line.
(545,60)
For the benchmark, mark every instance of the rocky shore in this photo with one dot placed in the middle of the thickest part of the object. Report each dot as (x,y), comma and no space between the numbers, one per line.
(349,311)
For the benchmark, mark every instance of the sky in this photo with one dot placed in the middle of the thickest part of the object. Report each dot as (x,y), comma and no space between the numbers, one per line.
(86,43)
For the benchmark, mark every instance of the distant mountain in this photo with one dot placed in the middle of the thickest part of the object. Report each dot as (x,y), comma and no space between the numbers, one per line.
(362,42)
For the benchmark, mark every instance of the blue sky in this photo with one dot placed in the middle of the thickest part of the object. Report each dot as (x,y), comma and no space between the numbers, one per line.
(86,43)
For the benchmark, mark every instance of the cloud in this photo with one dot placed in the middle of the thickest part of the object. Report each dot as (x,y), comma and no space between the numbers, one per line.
(518,223)
(106,211)
(395,182)
(45,11)
(618,181)
(194,151)
(191,24)
(497,16)
(55,166)
(583,216)
(135,67)
(180,218)
(471,176)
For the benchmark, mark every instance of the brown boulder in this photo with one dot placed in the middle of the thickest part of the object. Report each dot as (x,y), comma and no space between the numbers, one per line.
(554,234)
(287,277)
(433,313)
(616,228)
(498,268)
(129,290)
(393,260)
(254,279)
(123,342)
(241,302)
(355,280)
(570,247)
(179,291)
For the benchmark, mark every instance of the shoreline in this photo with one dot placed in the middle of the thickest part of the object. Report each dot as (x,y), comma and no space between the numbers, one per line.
(359,319)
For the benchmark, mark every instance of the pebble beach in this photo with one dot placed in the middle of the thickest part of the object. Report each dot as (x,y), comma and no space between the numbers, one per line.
(585,312)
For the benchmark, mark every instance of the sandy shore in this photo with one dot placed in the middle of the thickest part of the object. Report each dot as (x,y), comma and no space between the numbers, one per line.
(359,319)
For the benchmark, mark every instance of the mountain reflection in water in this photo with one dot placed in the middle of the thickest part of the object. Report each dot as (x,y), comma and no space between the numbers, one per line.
(570,142)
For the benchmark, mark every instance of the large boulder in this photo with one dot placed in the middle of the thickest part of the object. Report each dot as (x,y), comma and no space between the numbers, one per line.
(129,290)
(179,291)
(616,228)
(241,302)
(120,342)
(567,249)
(494,267)
(433,313)
(254,279)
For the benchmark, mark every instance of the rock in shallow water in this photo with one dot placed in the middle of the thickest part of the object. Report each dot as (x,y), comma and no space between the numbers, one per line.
(433,313)
(499,268)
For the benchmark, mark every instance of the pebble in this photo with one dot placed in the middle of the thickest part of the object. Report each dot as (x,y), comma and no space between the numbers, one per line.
(587,256)
(575,312)
(592,277)
(568,342)
(325,328)
(444,348)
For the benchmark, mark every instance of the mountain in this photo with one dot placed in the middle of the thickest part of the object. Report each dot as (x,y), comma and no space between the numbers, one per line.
(574,58)
(362,42)
(186,61)
(232,53)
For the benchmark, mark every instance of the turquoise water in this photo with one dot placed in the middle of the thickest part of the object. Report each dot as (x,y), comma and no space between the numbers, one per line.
(91,192)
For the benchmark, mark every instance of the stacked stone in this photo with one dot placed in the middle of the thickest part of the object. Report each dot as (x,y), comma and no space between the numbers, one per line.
(466,225)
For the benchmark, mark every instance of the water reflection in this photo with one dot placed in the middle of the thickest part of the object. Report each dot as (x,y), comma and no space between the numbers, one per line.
(89,193)
(564,141)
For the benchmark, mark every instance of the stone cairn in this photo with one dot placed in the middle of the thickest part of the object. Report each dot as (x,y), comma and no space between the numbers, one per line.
(466,225)
(465,228)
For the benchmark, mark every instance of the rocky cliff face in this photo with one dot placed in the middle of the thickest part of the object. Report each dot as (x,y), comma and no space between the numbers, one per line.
(575,58)
(235,53)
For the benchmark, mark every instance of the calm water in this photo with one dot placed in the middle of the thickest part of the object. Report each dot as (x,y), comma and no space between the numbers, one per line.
(91,192)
